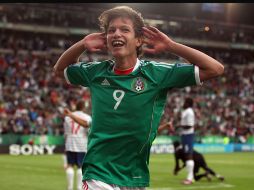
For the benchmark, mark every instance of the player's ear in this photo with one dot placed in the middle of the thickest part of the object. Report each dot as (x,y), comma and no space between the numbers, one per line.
(139,41)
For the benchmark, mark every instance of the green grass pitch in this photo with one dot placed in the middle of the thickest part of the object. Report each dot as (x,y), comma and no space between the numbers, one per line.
(46,172)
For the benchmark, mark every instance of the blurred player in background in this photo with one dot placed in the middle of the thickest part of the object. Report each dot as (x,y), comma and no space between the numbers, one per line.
(128,94)
(187,137)
(75,128)
(199,161)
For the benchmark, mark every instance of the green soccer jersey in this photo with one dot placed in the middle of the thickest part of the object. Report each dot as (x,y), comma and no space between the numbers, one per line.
(126,111)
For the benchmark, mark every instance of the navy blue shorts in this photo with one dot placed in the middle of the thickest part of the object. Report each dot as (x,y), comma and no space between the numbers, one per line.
(187,143)
(75,158)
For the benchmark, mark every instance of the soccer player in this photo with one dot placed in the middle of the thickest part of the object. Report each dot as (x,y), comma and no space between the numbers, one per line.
(128,94)
(187,137)
(75,130)
(199,161)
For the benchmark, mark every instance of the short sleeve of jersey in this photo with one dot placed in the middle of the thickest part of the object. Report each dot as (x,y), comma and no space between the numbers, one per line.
(178,75)
(84,116)
(88,119)
(80,73)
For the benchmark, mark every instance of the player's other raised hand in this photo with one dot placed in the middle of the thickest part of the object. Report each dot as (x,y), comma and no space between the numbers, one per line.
(156,41)
(66,112)
(95,42)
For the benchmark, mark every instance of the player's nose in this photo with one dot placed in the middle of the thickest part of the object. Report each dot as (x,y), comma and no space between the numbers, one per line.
(117,33)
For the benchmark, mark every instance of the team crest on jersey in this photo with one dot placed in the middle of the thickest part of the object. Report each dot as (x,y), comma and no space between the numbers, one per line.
(138,84)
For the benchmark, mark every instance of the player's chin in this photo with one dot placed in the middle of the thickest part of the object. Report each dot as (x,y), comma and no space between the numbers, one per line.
(117,54)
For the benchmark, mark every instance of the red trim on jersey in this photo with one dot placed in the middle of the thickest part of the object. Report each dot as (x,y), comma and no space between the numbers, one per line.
(85,186)
(123,72)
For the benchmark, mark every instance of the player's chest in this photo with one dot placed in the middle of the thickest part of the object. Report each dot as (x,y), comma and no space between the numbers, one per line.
(125,92)
(134,84)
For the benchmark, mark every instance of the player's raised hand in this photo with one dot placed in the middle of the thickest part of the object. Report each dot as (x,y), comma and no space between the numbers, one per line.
(155,40)
(66,112)
(95,42)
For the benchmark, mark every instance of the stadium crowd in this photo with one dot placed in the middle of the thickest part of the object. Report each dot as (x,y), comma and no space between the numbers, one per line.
(192,28)
(30,95)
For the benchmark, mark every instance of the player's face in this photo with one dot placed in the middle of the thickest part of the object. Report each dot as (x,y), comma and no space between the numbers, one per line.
(121,38)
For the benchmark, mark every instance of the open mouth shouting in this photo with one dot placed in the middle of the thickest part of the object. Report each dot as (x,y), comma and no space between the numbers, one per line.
(117,43)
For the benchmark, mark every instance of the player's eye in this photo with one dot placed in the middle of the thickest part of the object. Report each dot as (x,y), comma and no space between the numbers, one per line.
(111,30)
(125,29)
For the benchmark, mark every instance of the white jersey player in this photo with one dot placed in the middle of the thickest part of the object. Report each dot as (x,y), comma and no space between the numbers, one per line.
(187,137)
(75,127)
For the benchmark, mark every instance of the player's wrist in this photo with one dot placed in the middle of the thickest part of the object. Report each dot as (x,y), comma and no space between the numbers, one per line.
(172,46)
(83,45)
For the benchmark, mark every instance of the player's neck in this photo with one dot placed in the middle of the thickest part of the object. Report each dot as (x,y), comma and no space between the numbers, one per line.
(123,64)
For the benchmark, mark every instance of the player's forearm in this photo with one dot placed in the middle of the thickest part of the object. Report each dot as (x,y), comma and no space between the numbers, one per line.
(162,127)
(168,125)
(78,120)
(209,67)
(69,57)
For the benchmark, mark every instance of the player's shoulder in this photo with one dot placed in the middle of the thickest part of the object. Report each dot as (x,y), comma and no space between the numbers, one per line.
(97,63)
(104,63)
(154,64)
(82,114)
(190,110)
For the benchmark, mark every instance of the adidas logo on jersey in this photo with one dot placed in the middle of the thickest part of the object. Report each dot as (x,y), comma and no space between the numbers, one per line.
(105,82)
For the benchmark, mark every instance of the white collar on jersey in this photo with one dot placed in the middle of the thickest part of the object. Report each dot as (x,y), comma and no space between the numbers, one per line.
(137,65)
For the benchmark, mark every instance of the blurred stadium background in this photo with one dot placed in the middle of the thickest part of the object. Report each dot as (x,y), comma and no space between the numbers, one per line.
(33,35)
